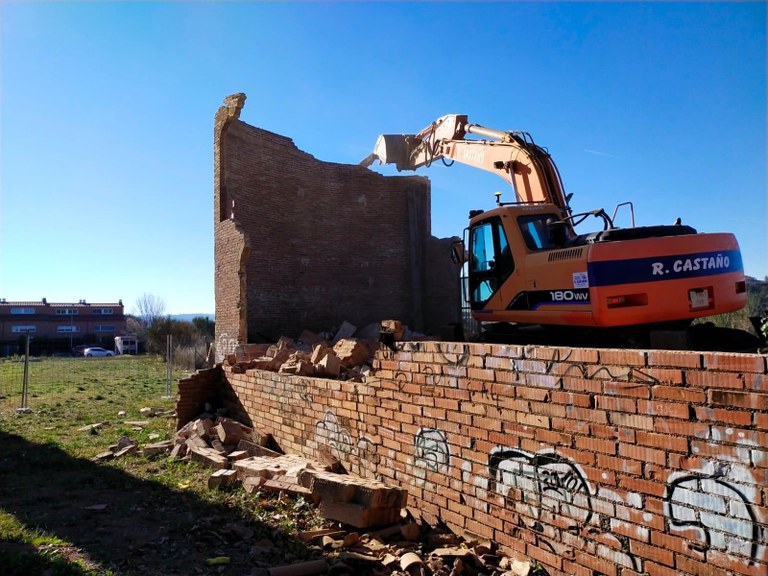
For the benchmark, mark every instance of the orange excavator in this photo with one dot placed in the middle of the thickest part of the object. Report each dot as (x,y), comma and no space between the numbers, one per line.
(525,264)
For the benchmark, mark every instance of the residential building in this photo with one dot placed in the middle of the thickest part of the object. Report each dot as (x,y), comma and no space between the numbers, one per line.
(58,326)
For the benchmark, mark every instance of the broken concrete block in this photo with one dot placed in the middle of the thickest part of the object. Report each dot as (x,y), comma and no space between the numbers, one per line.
(268,467)
(238,455)
(178,451)
(222,478)
(202,427)
(395,327)
(329,365)
(319,351)
(286,484)
(311,338)
(328,486)
(254,449)
(304,368)
(351,352)
(358,515)
(157,448)
(208,457)
(129,449)
(346,330)
(108,455)
(246,352)
(252,483)
(281,357)
(230,431)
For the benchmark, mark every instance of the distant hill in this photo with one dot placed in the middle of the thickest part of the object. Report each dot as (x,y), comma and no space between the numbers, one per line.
(189,317)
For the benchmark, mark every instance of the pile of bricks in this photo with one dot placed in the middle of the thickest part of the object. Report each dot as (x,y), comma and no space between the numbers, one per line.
(339,357)
(241,454)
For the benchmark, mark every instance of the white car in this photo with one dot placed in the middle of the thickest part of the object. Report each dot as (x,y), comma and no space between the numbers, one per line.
(96,351)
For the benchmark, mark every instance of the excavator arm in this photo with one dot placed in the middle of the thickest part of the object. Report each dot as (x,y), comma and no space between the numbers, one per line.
(514,156)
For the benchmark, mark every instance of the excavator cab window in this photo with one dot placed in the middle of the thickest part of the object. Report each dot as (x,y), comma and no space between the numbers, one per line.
(490,263)
(535,231)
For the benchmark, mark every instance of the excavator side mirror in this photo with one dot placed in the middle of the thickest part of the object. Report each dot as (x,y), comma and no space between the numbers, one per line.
(457,252)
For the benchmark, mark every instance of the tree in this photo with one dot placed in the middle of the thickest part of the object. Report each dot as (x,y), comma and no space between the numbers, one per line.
(204,326)
(149,309)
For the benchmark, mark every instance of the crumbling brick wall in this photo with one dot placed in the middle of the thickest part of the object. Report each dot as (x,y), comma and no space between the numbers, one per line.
(608,462)
(305,244)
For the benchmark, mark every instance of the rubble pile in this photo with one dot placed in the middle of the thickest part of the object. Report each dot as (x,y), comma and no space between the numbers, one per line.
(397,541)
(337,356)
(240,454)
(376,533)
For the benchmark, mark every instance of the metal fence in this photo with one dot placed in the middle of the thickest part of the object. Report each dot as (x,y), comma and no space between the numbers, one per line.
(27,381)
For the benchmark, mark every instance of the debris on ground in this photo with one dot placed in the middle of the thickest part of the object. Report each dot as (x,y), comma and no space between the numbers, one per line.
(336,355)
(123,446)
(373,531)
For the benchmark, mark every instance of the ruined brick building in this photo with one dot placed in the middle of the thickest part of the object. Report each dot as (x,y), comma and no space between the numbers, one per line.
(305,244)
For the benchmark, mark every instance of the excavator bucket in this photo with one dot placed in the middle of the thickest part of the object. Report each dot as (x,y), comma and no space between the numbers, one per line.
(392,149)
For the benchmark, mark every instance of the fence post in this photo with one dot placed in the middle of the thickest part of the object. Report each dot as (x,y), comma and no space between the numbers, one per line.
(168,365)
(25,384)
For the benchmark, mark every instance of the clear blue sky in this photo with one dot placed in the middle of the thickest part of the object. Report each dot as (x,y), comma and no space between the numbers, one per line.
(107,117)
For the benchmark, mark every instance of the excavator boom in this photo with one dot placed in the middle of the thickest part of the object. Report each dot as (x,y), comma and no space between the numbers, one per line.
(513,156)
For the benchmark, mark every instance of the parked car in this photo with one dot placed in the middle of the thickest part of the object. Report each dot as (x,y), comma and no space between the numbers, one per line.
(80,348)
(97,351)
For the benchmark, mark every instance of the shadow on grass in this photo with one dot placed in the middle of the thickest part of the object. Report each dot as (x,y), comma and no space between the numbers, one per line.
(121,523)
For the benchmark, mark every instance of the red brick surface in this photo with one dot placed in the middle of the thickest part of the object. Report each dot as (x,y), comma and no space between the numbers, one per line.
(676,488)
(310,244)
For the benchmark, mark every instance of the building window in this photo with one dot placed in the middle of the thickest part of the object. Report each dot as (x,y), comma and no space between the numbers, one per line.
(104,328)
(22,310)
(67,329)
(102,311)
(66,311)
(22,329)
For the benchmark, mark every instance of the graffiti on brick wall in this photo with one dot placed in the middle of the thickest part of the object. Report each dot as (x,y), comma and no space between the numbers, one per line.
(556,364)
(713,506)
(549,490)
(431,453)
(225,345)
(541,480)
(334,439)
(446,352)
(330,433)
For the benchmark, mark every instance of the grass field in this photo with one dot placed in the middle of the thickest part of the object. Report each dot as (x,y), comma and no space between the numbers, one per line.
(62,514)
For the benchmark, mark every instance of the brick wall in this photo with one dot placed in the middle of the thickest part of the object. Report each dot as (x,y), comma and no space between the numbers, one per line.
(305,244)
(593,462)
(195,391)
